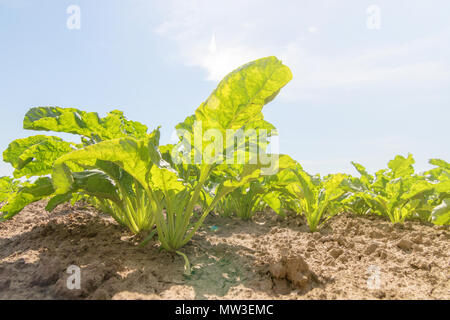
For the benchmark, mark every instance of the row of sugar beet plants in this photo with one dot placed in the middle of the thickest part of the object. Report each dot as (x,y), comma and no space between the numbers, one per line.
(397,193)
(122,170)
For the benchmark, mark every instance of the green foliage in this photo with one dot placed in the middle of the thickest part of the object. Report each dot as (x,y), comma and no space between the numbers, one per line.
(267,191)
(236,104)
(88,125)
(397,192)
(8,187)
(118,173)
(319,199)
(169,191)
(26,194)
(243,201)
(239,98)
(123,171)
(35,157)
(440,200)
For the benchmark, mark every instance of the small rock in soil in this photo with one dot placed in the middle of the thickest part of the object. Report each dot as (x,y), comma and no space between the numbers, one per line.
(376,234)
(419,264)
(294,269)
(405,244)
(278,270)
(417,239)
(371,248)
(379,294)
(336,252)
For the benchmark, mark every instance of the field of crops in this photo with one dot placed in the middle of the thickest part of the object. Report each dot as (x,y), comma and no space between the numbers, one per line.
(222,214)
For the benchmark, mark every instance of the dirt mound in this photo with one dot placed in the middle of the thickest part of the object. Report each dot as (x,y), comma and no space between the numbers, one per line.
(266,258)
(293,269)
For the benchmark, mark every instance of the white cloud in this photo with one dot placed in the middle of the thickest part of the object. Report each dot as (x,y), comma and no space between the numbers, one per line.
(220,36)
(384,68)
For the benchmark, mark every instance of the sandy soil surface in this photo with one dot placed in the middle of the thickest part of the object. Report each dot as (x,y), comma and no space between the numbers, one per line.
(266,258)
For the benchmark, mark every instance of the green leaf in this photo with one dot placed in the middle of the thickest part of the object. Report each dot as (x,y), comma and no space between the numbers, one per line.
(366,178)
(123,180)
(34,156)
(95,183)
(417,188)
(443,186)
(165,179)
(262,125)
(241,95)
(86,124)
(187,124)
(333,186)
(354,185)
(8,187)
(319,199)
(129,154)
(28,194)
(273,200)
(402,166)
(249,172)
(307,187)
(138,158)
(57,200)
(440,163)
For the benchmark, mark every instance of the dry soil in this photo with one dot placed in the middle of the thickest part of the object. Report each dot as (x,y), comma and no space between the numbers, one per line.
(266,258)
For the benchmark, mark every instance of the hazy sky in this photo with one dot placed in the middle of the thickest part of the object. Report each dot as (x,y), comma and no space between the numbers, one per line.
(371,78)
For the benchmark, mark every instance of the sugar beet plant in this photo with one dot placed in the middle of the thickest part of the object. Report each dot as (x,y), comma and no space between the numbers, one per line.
(439,201)
(266,192)
(238,98)
(34,158)
(317,198)
(258,194)
(398,193)
(124,171)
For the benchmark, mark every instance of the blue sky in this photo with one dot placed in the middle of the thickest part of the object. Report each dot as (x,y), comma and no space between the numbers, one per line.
(358,94)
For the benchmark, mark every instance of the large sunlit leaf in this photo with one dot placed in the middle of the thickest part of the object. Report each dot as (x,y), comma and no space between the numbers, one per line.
(130,154)
(241,95)
(86,124)
(34,156)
